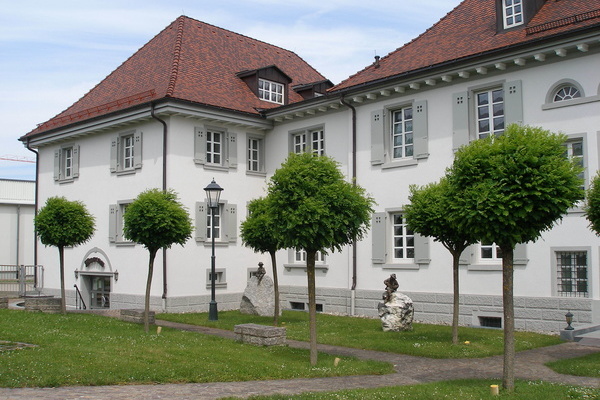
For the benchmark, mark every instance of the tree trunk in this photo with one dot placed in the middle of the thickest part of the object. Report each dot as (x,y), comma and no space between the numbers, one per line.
(456,305)
(508,374)
(148,285)
(312,305)
(63,300)
(276,287)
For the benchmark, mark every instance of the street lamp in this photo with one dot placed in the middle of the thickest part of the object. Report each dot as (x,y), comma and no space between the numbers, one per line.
(213,192)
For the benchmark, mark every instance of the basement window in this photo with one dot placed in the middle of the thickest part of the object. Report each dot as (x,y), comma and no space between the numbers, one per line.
(490,322)
(299,306)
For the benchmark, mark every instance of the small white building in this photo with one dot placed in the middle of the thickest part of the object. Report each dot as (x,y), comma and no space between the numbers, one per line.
(198,102)
(17,209)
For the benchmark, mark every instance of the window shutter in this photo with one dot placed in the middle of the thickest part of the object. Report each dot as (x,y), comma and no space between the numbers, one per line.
(378,237)
(230,223)
(75,161)
(114,146)
(261,155)
(420,129)
(137,150)
(421,249)
(112,223)
(232,149)
(57,165)
(513,102)
(465,257)
(199,145)
(520,254)
(201,215)
(460,119)
(377,135)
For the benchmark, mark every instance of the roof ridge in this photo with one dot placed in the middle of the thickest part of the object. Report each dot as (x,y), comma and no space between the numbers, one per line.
(176,57)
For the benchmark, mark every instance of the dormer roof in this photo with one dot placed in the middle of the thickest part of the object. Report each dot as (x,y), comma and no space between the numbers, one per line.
(471,29)
(190,61)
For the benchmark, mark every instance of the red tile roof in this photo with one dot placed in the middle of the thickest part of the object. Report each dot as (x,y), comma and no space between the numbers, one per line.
(470,29)
(192,61)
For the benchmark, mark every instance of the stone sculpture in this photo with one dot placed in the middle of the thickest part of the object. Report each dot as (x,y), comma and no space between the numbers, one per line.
(396,311)
(259,295)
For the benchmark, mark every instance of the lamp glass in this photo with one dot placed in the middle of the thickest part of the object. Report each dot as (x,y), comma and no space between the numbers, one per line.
(213,193)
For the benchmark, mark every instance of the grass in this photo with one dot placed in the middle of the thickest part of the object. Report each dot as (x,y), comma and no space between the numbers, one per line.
(581,366)
(460,389)
(434,341)
(84,349)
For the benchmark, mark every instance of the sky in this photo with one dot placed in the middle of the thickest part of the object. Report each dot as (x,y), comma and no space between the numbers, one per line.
(53,52)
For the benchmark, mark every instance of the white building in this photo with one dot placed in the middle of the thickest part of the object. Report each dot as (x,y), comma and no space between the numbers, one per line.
(17,208)
(198,102)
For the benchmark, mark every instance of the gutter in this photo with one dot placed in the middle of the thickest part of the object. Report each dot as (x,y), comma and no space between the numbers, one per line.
(37,180)
(354,257)
(164,188)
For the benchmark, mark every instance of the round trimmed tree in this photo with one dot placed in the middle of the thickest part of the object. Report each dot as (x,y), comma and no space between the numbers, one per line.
(592,205)
(62,223)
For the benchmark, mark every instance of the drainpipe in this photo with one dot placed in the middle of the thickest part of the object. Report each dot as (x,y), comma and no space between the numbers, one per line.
(354,260)
(18,231)
(37,180)
(164,188)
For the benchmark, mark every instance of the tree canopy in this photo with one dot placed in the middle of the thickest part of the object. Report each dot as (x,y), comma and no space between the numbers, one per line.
(63,223)
(156,219)
(592,205)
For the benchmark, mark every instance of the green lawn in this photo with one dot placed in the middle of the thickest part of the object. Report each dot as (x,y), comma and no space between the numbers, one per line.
(582,366)
(424,340)
(84,349)
(459,390)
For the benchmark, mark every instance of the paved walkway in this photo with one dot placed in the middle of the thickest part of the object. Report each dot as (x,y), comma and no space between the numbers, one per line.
(409,370)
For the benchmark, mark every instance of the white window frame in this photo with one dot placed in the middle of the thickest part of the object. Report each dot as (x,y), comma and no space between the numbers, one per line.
(310,139)
(220,155)
(403,239)
(228,224)
(512,13)
(273,92)
(494,111)
(551,102)
(115,223)
(256,155)
(297,260)
(402,131)
(126,152)
(489,253)
(557,276)
(214,147)
(66,163)
(210,220)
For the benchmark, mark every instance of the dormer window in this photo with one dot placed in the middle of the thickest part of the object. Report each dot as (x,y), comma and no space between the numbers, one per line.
(513,13)
(270,91)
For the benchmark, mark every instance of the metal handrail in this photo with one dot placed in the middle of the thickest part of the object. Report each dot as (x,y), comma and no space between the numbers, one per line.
(79,298)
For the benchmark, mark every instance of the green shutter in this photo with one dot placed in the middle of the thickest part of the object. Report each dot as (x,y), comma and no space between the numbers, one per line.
(114,152)
(137,150)
(201,214)
(112,223)
(421,249)
(420,129)
(57,165)
(199,145)
(377,137)
(232,149)
(460,120)
(513,102)
(75,161)
(378,237)
(520,254)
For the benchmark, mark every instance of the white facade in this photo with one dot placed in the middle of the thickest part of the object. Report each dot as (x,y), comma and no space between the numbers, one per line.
(17,208)
(111,272)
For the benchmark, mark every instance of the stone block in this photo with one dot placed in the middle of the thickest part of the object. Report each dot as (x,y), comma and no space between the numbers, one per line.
(575,304)
(260,335)
(444,298)
(136,316)
(3,302)
(50,305)
(536,302)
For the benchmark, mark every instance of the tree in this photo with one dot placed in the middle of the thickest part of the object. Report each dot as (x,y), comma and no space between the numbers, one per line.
(592,206)
(156,219)
(258,233)
(315,209)
(428,214)
(63,223)
(513,188)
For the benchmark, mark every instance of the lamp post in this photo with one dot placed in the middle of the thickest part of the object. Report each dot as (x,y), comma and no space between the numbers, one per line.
(569,318)
(213,192)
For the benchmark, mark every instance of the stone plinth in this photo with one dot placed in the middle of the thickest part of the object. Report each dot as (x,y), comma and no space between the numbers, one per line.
(3,302)
(397,313)
(259,297)
(50,305)
(136,316)
(260,335)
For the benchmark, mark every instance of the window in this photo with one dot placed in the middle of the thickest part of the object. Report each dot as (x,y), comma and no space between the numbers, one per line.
(567,93)
(297,260)
(483,111)
(300,257)
(220,278)
(399,135)
(490,252)
(215,148)
(66,163)
(403,238)
(126,152)
(394,245)
(224,221)
(313,139)
(572,273)
(256,155)
(574,151)
(270,91)
(513,12)
(486,256)
(490,113)
(115,222)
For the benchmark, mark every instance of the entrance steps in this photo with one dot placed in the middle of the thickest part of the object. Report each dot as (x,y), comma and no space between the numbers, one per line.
(586,335)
